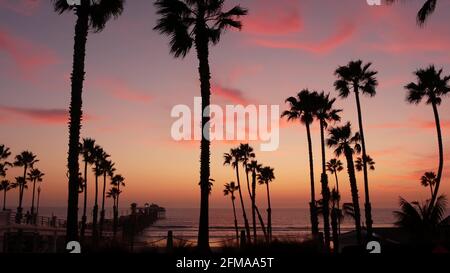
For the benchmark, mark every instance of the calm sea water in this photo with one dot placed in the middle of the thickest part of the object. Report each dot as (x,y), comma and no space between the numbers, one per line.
(286,223)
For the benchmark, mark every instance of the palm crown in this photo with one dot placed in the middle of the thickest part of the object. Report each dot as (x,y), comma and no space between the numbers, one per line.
(303,107)
(325,111)
(99,11)
(4,152)
(25,159)
(246,152)
(184,20)
(230,188)
(266,175)
(428,179)
(87,150)
(118,180)
(334,165)
(430,85)
(341,139)
(35,175)
(357,76)
(369,161)
(232,158)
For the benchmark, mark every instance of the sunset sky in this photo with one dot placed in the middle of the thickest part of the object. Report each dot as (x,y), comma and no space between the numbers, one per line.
(132,83)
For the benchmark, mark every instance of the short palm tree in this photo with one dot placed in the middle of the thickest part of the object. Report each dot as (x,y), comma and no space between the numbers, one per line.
(114,194)
(431,86)
(253,167)
(359,78)
(108,171)
(334,166)
(99,157)
(326,113)
(247,155)
(21,184)
(34,175)
(198,23)
(428,179)
(26,159)
(229,189)
(369,161)
(336,215)
(5,186)
(87,151)
(425,11)
(91,15)
(117,181)
(420,220)
(344,143)
(4,153)
(265,176)
(233,158)
(303,108)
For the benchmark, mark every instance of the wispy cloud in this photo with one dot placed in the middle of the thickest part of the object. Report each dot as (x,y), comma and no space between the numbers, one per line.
(231,94)
(121,90)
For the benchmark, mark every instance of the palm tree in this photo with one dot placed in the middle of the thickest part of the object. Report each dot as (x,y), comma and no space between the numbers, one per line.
(265,176)
(303,108)
(108,170)
(432,86)
(229,189)
(254,168)
(247,154)
(198,23)
(5,186)
(35,175)
(26,159)
(359,78)
(428,179)
(336,215)
(326,114)
(87,151)
(369,161)
(233,158)
(21,184)
(38,199)
(425,11)
(117,181)
(4,153)
(421,220)
(334,166)
(114,194)
(343,142)
(91,15)
(99,157)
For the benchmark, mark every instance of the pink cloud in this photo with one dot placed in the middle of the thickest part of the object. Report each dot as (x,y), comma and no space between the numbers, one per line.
(28,57)
(122,91)
(342,35)
(270,17)
(230,94)
(41,116)
(23,7)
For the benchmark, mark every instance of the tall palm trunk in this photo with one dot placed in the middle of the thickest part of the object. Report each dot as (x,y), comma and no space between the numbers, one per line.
(21,188)
(201,45)
(4,200)
(354,190)
(338,201)
(84,217)
(335,228)
(235,218)
(32,202)
(325,190)
(367,205)
(312,204)
(244,214)
(441,156)
(269,215)
(78,73)
(102,212)
(252,194)
(116,212)
(95,212)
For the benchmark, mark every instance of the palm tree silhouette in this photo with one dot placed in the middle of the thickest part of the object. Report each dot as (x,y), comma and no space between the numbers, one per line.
(99,156)
(117,181)
(198,23)
(336,215)
(254,168)
(359,78)
(91,15)
(343,142)
(432,86)
(369,161)
(428,179)
(326,114)
(108,170)
(334,166)
(421,220)
(425,11)
(5,186)
(233,158)
(35,175)
(4,153)
(265,176)
(26,159)
(229,189)
(87,150)
(247,154)
(114,194)
(21,184)
(304,108)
